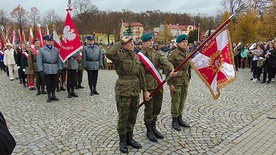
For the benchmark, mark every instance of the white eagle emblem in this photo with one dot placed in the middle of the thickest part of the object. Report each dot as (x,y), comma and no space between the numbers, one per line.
(68,34)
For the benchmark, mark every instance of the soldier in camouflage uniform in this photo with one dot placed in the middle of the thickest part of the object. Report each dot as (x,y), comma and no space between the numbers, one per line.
(153,106)
(127,89)
(179,85)
(40,81)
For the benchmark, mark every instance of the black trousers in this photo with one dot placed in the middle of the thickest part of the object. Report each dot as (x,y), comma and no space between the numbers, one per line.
(51,82)
(92,78)
(71,79)
(7,142)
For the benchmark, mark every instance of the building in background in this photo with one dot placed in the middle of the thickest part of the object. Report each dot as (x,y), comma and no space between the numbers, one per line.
(136,29)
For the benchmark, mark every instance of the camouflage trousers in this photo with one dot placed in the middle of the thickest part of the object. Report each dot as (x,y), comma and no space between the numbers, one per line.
(153,107)
(127,108)
(39,81)
(178,100)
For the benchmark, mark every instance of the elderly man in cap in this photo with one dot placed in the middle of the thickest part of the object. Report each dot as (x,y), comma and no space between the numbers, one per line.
(92,62)
(179,85)
(152,66)
(127,89)
(9,60)
(40,81)
(49,64)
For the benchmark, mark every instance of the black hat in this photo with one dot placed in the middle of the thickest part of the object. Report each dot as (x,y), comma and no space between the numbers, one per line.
(90,38)
(48,37)
(36,40)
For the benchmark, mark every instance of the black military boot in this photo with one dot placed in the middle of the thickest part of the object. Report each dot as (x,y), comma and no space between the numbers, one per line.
(80,86)
(156,132)
(69,93)
(58,88)
(95,91)
(122,144)
(38,90)
(91,90)
(175,124)
(150,134)
(130,141)
(43,89)
(49,97)
(62,88)
(54,96)
(73,92)
(182,123)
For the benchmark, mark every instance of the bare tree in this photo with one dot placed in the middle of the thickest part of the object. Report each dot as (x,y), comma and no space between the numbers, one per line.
(230,5)
(85,13)
(34,16)
(20,16)
(51,18)
(4,20)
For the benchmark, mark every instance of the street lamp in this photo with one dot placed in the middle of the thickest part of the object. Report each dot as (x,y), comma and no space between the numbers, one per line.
(194,24)
(198,29)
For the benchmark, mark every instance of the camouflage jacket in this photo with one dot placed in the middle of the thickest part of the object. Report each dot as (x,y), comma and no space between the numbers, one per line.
(184,73)
(129,69)
(32,61)
(159,62)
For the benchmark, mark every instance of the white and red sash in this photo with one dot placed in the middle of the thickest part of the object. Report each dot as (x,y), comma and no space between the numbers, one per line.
(25,55)
(1,52)
(35,52)
(150,67)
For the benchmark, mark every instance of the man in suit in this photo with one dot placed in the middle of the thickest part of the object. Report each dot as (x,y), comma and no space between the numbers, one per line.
(9,60)
(92,62)
(49,64)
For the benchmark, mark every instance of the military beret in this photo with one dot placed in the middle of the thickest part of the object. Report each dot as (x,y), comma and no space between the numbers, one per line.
(181,37)
(90,38)
(36,40)
(146,37)
(48,37)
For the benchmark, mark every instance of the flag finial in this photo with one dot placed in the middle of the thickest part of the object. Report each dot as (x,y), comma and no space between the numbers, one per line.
(69,6)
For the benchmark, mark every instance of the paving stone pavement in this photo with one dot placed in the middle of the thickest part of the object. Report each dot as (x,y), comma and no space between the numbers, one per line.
(236,123)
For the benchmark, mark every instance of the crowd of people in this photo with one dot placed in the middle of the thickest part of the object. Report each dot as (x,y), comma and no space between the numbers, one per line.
(260,57)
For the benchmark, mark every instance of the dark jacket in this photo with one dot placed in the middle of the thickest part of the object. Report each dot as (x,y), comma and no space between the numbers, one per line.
(7,142)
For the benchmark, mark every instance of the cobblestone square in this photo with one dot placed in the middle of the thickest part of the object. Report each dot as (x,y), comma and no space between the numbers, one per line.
(87,124)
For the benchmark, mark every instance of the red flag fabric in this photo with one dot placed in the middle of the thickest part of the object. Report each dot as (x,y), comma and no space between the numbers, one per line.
(31,37)
(2,41)
(57,41)
(215,64)
(23,36)
(40,36)
(47,30)
(19,35)
(13,38)
(70,43)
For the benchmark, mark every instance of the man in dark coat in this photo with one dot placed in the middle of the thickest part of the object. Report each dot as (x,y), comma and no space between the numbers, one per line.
(7,142)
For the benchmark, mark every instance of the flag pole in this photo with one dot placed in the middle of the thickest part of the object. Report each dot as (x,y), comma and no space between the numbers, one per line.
(222,26)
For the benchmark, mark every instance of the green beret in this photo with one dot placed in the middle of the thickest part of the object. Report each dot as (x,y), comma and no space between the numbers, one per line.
(146,37)
(181,37)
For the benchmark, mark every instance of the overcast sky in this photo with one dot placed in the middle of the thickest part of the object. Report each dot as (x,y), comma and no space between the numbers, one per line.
(208,7)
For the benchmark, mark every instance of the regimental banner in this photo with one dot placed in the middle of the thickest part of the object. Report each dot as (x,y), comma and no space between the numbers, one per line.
(215,64)
(70,43)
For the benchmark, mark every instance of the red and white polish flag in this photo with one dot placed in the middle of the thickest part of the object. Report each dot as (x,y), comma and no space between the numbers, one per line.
(215,64)
(70,43)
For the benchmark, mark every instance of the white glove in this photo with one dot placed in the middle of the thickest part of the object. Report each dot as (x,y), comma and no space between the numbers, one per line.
(24,70)
(18,67)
